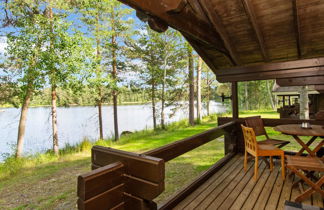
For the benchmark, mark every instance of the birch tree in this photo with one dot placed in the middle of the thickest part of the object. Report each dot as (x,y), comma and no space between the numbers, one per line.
(161,61)
(64,56)
(199,70)
(191,82)
(23,64)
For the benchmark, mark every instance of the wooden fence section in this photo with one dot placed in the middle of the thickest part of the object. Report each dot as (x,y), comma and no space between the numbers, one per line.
(125,180)
(122,179)
(173,150)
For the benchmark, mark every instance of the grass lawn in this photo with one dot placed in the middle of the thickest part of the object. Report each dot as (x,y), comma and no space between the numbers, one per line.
(49,182)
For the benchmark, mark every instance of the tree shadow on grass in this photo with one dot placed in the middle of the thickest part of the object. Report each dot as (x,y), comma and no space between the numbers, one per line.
(47,186)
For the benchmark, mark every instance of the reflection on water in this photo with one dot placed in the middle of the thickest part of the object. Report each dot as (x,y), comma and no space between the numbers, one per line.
(76,123)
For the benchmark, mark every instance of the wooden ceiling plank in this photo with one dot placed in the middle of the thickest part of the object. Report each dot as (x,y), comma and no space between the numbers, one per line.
(216,21)
(300,81)
(290,73)
(297,64)
(297,26)
(184,21)
(249,10)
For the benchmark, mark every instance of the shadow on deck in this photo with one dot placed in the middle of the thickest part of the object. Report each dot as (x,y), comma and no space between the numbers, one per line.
(232,188)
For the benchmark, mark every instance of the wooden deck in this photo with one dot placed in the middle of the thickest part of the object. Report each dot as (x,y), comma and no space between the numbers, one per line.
(232,188)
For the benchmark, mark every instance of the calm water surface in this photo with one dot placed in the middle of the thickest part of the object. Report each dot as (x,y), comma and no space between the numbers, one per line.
(75,124)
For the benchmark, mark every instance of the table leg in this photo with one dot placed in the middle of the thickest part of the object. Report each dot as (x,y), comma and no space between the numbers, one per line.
(319,146)
(305,146)
(308,144)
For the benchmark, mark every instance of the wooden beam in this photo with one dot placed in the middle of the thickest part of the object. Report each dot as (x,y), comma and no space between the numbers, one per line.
(106,200)
(100,180)
(281,74)
(173,150)
(235,109)
(290,69)
(216,21)
(268,122)
(253,20)
(177,6)
(157,24)
(297,27)
(301,81)
(135,163)
(319,88)
(185,21)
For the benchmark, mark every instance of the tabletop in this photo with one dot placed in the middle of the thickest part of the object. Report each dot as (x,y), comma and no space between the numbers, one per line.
(296,129)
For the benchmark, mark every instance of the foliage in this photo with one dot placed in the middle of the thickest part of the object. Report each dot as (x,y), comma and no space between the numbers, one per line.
(22,67)
(159,60)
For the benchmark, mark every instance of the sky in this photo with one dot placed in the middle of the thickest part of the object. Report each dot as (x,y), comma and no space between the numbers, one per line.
(73,17)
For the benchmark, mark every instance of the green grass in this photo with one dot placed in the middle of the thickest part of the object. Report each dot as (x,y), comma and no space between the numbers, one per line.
(262,113)
(45,181)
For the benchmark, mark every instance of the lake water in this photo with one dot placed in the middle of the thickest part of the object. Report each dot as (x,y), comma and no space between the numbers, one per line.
(77,123)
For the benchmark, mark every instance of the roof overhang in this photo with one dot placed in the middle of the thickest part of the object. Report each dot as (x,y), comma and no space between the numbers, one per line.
(267,39)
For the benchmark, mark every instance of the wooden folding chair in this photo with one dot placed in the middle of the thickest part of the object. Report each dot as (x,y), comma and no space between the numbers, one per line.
(256,123)
(260,150)
(300,165)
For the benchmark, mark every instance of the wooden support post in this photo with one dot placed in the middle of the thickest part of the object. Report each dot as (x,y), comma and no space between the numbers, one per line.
(235,111)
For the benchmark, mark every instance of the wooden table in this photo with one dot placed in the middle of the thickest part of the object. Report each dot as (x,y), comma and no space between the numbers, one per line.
(296,130)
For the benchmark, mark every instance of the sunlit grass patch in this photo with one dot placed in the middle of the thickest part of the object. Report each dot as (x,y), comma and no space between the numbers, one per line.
(57,175)
(182,170)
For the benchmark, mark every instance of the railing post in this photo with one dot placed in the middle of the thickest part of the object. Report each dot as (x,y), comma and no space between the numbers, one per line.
(121,180)
(235,109)
(233,138)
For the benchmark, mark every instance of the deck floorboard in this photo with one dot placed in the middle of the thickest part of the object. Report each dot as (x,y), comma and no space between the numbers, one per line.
(233,188)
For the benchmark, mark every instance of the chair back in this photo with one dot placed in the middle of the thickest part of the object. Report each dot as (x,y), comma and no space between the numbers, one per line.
(250,142)
(256,123)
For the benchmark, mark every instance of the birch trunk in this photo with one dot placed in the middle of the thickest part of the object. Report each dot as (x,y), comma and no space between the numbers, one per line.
(54,122)
(53,87)
(99,103)
(114,93)
(153,105)
(270,95)
(191,88)
(199,68)
(246,95)
(100,115)
(163,95)
(22,123)
(208,94)
(304,108)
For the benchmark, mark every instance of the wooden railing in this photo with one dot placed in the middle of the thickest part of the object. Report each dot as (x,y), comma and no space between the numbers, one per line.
(125,180)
